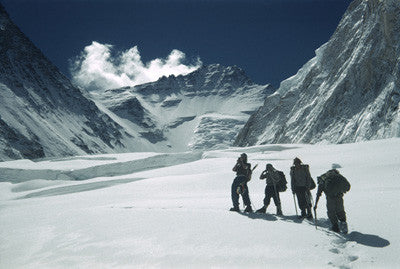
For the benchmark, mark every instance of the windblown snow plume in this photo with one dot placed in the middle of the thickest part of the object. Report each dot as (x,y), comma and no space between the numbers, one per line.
(99,68)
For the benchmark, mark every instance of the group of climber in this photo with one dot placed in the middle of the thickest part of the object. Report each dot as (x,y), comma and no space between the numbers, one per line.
(332,183)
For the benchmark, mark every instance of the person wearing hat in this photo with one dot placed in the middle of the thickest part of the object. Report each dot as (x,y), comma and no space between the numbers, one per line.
(301,184)
(334,185)
(239,185)
(272,178)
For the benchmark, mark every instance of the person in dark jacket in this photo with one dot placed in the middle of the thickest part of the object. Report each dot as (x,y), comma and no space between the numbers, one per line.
(301,182)
(239,185)
(334,185)
(272,178)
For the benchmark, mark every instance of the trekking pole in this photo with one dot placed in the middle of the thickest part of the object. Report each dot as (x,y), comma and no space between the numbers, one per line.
(295,206)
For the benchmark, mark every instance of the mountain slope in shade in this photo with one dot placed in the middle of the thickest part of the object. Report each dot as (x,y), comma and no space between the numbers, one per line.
(41,113)
(350,91)
(202,110)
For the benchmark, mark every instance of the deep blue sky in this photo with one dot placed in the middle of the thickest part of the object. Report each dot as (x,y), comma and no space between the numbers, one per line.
(269,39)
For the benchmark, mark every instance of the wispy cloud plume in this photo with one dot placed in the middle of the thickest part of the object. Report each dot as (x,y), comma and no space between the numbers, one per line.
(98,68)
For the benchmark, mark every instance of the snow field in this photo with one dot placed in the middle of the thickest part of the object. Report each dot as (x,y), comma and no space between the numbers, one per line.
(176,215)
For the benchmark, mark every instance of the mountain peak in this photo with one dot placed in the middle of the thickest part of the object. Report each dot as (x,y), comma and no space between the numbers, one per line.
(208,106)
(226,73)
(208,79)
(42,113)
(218,76)
(348,92)
(233,71)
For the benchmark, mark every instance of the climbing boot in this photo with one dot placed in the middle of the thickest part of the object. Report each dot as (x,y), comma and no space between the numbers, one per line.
(279,210)
(235,209)
(262,210)
(335,228)
(343,227)
(248,209)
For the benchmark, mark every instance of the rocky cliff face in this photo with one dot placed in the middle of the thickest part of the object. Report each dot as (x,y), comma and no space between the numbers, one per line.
(41,113)
(350,91)
(202,110)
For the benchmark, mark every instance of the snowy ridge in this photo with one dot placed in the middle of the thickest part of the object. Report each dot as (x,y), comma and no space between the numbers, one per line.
(42,114)
(176,216)
(350,91)
(202,110)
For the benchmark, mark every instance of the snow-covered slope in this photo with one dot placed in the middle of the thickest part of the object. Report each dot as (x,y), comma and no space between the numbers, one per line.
(149,210)
(41,112)
(202,110)
(350,91)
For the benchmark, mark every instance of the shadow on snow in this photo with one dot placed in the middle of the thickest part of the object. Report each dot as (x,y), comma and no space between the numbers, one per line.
(368,240)
(78,188)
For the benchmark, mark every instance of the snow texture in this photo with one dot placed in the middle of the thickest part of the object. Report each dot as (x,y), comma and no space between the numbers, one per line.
(202,110)
(125,211)
(41,113)
(350,91)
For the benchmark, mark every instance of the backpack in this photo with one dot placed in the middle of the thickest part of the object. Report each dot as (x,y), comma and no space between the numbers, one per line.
(312,182)
(281,186)
(334,183)
(306,169)
(313,185)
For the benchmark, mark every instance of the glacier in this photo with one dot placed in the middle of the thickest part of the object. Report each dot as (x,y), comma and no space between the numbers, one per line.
(175,214)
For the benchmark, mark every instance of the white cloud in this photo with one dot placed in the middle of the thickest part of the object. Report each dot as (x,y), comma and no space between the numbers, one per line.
(98,68)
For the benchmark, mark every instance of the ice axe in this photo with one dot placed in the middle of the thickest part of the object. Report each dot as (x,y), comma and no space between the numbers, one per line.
(241,188)
(255,166)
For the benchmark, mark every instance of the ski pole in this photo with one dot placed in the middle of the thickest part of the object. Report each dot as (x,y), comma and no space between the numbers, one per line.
(295,206)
